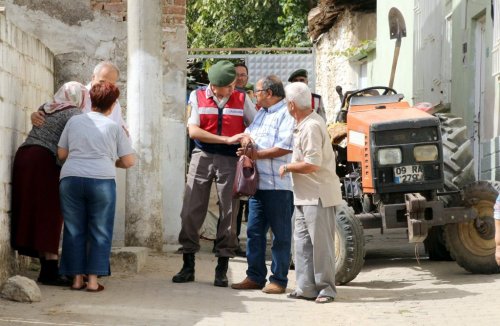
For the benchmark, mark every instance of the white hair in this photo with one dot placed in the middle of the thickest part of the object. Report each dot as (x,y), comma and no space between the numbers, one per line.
(300,94)
(107,64)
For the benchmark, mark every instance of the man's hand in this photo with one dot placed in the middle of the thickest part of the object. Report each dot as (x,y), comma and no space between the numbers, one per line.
(283,170)
(235,139)
(38,118)
(251,152)
(497,255)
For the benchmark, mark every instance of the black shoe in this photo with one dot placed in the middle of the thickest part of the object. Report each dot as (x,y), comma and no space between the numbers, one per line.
(221,271)
(187,272)
(49,274)
(60,280)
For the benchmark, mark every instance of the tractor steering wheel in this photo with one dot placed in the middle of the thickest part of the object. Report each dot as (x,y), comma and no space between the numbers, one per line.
(387,90)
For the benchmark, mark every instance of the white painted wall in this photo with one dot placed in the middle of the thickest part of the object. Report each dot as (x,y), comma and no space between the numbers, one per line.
(26,81)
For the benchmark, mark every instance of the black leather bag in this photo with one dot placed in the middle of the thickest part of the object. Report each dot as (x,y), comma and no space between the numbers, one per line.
(246,180)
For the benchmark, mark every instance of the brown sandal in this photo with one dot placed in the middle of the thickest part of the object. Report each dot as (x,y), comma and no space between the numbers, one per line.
(99,288)
(82,287)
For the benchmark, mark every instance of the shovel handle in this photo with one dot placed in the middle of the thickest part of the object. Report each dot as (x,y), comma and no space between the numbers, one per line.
(395,61)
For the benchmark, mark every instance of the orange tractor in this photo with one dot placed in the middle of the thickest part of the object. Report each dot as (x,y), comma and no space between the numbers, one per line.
(401,167)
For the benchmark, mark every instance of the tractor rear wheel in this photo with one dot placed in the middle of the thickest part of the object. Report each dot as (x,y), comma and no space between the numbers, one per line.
(458,172)
(349,245)
(472,244)
(458,159)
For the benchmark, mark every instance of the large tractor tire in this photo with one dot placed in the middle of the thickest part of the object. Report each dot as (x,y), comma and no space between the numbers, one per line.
(349,245)
(458,159)
(435,246)
(472,244)
(458,171)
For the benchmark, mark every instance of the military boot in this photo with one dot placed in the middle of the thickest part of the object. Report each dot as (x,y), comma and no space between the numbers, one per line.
(187,272)
(221,271)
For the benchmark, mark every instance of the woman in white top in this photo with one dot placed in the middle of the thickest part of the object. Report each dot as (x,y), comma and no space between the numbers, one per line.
(92,145)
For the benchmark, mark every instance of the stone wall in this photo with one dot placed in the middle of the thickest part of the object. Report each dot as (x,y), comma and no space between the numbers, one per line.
(332,66)
(26,81)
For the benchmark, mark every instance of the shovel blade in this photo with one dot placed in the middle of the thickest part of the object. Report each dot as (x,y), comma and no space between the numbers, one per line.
(397,25)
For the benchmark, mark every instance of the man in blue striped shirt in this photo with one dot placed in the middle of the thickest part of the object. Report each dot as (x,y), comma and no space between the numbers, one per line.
(272,205)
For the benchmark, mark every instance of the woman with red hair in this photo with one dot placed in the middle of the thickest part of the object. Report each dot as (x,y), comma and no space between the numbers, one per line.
(92,145)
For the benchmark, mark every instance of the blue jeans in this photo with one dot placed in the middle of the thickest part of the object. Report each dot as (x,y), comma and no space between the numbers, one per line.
(88,207)
(269,208)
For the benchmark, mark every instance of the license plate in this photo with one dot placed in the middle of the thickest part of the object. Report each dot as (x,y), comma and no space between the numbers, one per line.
(408,173)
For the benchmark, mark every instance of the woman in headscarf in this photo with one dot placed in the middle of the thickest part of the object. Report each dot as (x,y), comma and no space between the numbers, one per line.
(36,213)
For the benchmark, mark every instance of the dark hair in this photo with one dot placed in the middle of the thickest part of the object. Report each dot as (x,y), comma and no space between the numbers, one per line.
(241,64)
(103,95)
(273,83)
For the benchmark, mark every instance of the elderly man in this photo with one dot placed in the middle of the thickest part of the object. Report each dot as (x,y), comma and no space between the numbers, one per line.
(300,75)
(316,189)
(272,204)
(219,114)
(103,71)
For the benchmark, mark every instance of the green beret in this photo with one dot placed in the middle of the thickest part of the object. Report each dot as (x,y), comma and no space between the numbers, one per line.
(222,73)
(298,73)
(249,87)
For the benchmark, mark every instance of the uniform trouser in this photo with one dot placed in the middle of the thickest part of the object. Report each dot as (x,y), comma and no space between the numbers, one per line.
(203,169)
(314,238)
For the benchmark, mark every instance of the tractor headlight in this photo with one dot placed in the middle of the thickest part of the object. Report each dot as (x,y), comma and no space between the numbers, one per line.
(425,153)
(389,156)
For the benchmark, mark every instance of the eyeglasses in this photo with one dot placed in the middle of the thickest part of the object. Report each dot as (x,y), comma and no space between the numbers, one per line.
(260,90)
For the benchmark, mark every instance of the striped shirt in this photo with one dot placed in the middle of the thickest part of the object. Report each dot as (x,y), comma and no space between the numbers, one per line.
(273,127)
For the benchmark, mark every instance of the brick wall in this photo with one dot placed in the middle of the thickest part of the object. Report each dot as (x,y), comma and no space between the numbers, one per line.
(174,11)
(26,81)
(117,9)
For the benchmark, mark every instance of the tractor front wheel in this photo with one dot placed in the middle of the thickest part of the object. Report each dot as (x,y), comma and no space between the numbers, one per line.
(349,245)
(472,244)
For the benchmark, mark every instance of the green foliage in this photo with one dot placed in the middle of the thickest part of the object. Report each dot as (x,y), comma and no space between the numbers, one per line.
(360,50)
(247,23)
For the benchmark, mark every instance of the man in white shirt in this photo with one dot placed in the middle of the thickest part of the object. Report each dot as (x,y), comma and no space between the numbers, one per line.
(316,188)
(103,71)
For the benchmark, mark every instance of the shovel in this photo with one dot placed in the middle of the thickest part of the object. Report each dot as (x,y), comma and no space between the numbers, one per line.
(397,28)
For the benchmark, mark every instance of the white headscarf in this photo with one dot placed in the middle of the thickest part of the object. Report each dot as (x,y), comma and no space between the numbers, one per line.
(71,94)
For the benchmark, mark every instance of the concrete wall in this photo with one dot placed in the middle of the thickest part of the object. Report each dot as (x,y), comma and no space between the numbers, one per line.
(83,32)
(26,81)
(464,16)
(173,120)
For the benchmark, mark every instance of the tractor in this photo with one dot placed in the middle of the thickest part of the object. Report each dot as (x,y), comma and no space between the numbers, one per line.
(401,167)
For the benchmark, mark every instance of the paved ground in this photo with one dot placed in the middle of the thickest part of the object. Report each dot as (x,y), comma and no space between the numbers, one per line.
(392,289)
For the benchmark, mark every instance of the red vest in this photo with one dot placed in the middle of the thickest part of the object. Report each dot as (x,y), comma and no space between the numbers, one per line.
(226,121)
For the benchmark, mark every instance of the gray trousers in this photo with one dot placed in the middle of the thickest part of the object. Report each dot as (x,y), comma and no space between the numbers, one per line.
(204,168)
(314,237)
